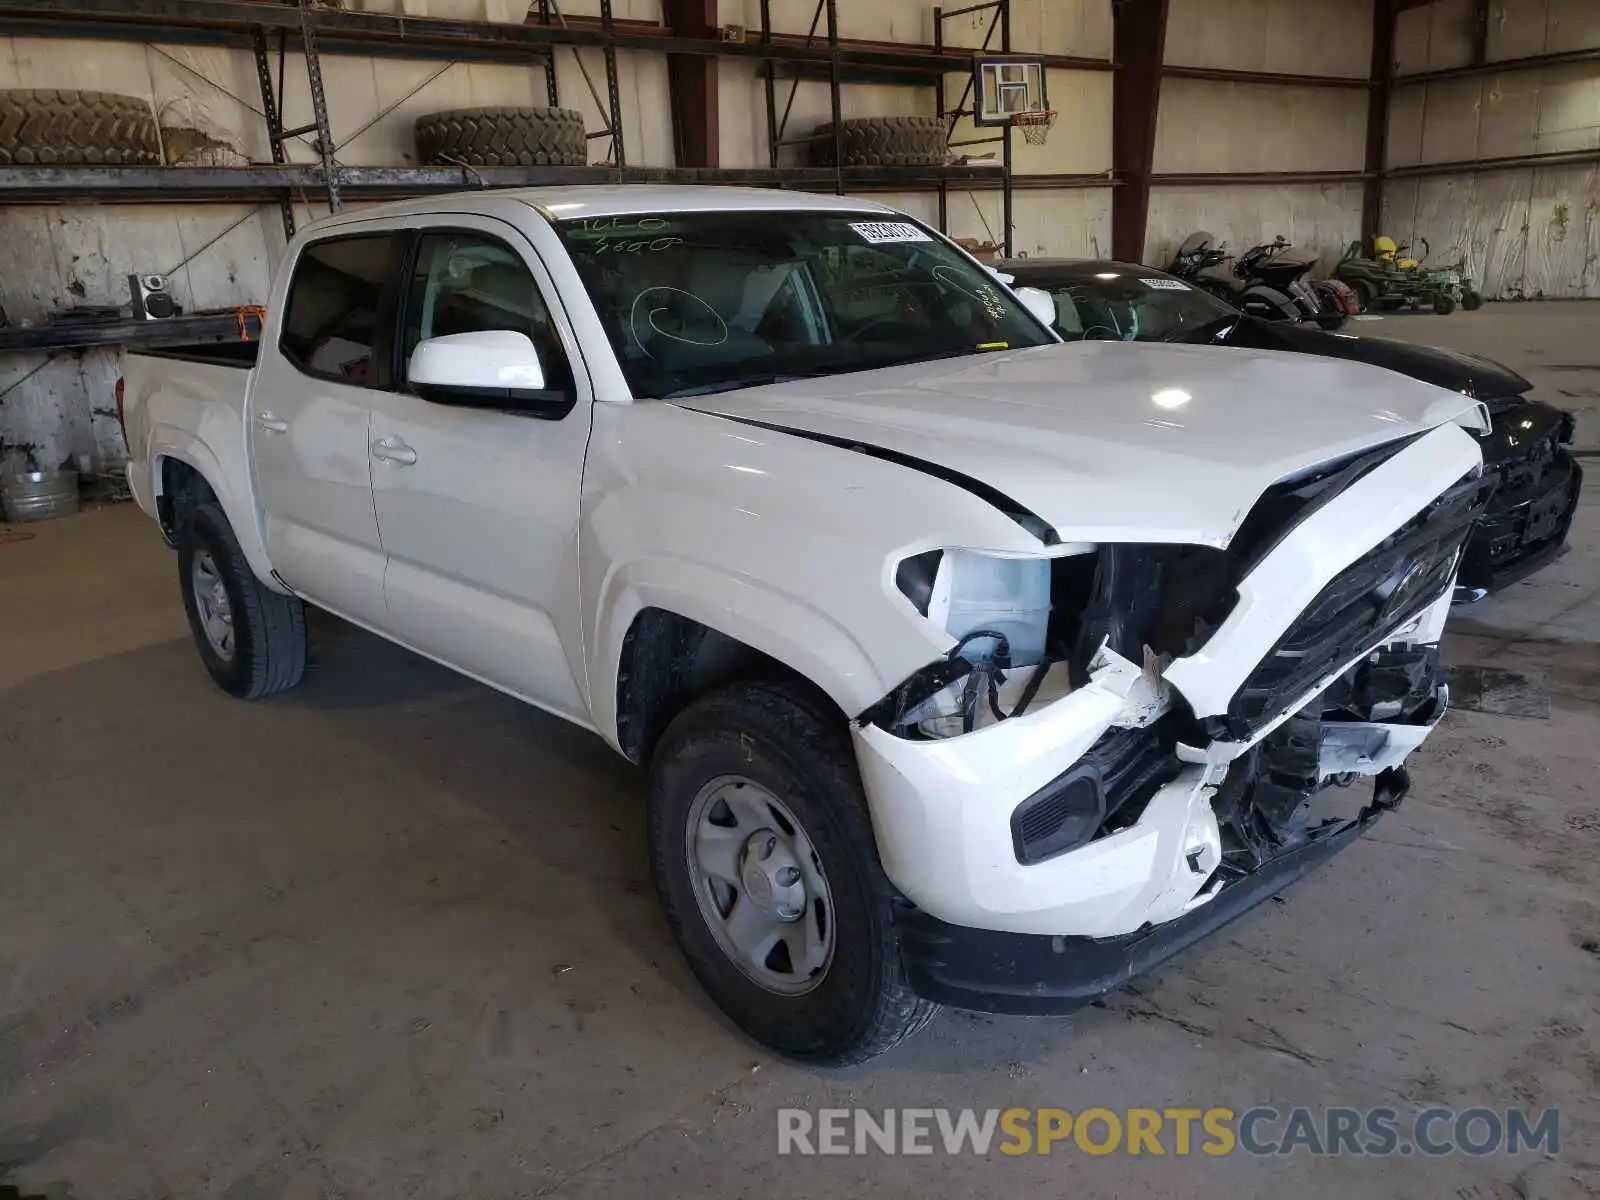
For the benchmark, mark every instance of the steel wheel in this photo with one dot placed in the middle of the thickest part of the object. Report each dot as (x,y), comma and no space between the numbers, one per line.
(212,604)
(760,885)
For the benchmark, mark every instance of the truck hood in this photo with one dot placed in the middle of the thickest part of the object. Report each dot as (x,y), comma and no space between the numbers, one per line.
(1107,441)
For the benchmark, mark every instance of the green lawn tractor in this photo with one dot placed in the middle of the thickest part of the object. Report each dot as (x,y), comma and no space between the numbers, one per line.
(1445,286)
(1389,281)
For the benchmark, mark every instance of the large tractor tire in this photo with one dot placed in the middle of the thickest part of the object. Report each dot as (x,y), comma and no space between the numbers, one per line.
(503,137)
(50,126)
(883,142)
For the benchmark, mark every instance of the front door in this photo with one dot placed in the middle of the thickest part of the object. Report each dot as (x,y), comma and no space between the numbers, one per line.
(478,509)
(308,421)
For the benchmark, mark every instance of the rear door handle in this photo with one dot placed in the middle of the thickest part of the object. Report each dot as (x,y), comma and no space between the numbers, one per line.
(271,422)
(394,450)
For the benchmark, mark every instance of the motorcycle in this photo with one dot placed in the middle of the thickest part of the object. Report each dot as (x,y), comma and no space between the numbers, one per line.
(1266,281)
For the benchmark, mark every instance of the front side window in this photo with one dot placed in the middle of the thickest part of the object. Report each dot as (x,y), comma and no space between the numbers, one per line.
(704,302)
(469,283)
(336,302)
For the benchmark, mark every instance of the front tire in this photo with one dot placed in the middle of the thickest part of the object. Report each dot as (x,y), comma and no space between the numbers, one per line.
(765,863)
(1444,303)
(1471,301)
(251,638)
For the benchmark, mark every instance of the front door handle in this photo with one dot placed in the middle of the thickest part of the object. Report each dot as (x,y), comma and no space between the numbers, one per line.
(394,450)
(271,422)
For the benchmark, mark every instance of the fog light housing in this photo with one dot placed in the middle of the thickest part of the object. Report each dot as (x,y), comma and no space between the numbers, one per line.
(1061,816)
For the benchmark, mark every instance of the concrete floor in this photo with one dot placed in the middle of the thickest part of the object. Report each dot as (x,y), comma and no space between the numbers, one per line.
(391,934)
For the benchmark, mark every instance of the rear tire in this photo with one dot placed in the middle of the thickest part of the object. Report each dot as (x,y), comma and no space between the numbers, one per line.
(766,740)
(261,646)
(1444,303)
(1365,294)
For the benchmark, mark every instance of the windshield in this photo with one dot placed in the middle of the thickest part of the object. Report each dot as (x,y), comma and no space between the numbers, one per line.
(1126,307)
(707,301)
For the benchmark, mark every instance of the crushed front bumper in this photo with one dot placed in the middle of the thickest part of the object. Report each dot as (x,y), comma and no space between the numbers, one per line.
(1152,803)
(1039,974)
(948,812)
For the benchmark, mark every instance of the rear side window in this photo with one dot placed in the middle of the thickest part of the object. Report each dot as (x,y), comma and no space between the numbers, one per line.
(337,300)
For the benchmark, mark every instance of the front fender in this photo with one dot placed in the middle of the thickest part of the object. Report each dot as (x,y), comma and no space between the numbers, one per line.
(782,626)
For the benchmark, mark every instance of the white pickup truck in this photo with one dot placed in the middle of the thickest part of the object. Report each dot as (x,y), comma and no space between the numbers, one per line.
(968,667)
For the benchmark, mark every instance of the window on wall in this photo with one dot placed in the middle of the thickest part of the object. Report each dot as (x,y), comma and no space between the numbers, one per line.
(469,283)
(336,299)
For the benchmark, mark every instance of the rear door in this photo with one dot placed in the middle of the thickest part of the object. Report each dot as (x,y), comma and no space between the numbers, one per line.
(478,508)
(309,414)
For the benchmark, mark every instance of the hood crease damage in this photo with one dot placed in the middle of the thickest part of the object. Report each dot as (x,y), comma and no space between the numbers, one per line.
(994,497)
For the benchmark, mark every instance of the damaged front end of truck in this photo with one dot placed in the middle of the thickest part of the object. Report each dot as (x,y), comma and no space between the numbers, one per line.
(1129,744)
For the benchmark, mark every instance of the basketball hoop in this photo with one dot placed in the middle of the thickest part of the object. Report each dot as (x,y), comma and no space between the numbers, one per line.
(1035,124)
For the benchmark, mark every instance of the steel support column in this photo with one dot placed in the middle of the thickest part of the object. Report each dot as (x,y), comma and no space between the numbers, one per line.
(692,84)
(613,91)
(1139,33)
(1384,15)
(1007,205)
(319,105)
(274,116)
(834,96)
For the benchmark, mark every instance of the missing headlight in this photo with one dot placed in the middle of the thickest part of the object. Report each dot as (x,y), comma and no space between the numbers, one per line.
(1026,630)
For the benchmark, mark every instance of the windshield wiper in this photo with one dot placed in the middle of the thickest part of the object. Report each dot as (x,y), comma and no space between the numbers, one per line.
(908,360)
(728,385)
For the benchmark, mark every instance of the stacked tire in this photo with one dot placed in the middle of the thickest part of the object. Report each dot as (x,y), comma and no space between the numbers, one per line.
(55,126)
(503,137)
(882,142)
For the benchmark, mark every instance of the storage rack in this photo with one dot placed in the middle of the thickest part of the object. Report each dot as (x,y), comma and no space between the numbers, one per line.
(918,70)
(303,28)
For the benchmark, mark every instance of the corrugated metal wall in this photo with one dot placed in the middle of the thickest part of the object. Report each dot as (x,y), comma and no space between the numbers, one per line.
(1207,126)
(1529,232)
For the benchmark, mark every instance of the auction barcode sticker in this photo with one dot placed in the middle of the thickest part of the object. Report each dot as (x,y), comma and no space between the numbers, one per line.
(889,231)
(1164,285)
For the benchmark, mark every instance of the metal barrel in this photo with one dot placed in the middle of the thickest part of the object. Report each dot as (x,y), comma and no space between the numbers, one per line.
(39,495)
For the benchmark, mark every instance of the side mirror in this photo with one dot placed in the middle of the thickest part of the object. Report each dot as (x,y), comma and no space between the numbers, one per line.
(1040,303)
(491,368)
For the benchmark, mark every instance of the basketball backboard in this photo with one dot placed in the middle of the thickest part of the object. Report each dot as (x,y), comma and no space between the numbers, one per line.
(1006,86)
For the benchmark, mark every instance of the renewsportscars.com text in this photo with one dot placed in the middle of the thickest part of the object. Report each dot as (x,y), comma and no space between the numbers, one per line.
(1179,1132)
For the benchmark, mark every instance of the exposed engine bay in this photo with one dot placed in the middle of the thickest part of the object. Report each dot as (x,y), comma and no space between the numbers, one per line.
(1346,691)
